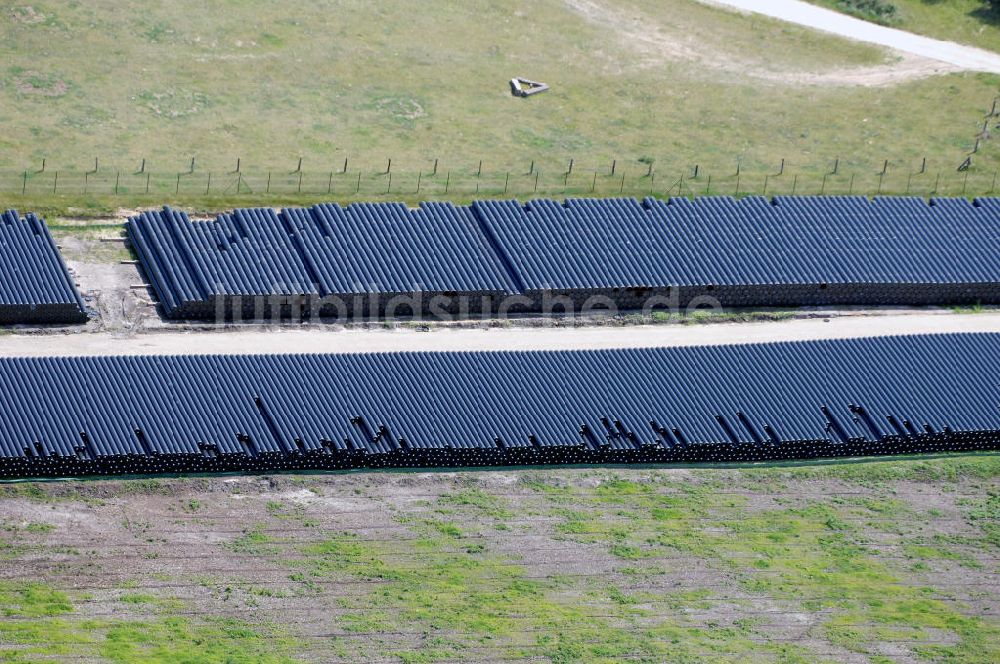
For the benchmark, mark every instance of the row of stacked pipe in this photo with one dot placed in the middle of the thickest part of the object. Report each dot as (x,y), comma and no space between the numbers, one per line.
(385,259)
(498,257)
(35,286)
(77,416)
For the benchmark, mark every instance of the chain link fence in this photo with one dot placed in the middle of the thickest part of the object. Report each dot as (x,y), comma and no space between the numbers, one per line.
(338,185)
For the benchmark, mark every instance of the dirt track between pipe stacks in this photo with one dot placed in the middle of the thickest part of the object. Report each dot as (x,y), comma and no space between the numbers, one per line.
(557,335)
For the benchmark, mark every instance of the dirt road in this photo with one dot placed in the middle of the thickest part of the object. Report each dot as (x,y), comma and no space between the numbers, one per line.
(826,20)
(339,340)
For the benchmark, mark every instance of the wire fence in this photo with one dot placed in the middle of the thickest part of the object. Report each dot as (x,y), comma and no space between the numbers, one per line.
(357,184)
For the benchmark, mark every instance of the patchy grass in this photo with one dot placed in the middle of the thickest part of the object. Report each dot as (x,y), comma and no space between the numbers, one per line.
(878,472)
(32,600)
(816,552)
(267,83)
(973,309)
(789,563)
(254,541)
(43,622)
(480,502)
(481,601)
(985,513)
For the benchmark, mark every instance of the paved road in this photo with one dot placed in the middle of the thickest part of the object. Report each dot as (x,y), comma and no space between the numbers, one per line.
(802,13)
(333,340)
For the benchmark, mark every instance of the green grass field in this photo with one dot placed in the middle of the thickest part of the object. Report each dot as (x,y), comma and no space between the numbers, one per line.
(672,81)
(884,561)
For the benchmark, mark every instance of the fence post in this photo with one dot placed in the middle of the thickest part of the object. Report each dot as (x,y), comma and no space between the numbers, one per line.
(345,165)
(142,168)
(420,176)
(358,190)
(24,184)
(850,188)
(737,192)
(621,189)
(479,172)
(822,187)
(937,181)
(994,182)
(909,179)
(388,167)
(300,182)
(766,177)
(208,185)
(43,165)
(239,182)
(389,187)
(531,170)
(434,174)
(329,185)
(506,183)
(593,186)
(708,187)
(177,189)
(55,182)
(447,183)
(267,187)
(569,171)
(536,182)
(795,183)
(86,181)
(614,164)
(836,166)
(118,175)
(147,182)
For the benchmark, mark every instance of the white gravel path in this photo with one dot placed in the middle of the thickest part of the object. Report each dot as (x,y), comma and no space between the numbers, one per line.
(826,20)
(257,340)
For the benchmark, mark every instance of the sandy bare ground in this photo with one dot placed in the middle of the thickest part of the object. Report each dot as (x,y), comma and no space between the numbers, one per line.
(911,57)
(272,339)
(802,13)
(176,546)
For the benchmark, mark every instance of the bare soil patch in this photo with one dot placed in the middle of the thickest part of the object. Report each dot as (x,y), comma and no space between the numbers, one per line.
(246,548)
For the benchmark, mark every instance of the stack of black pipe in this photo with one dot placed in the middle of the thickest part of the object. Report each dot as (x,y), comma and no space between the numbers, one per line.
(35,286)
(263,413)
(544,256)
